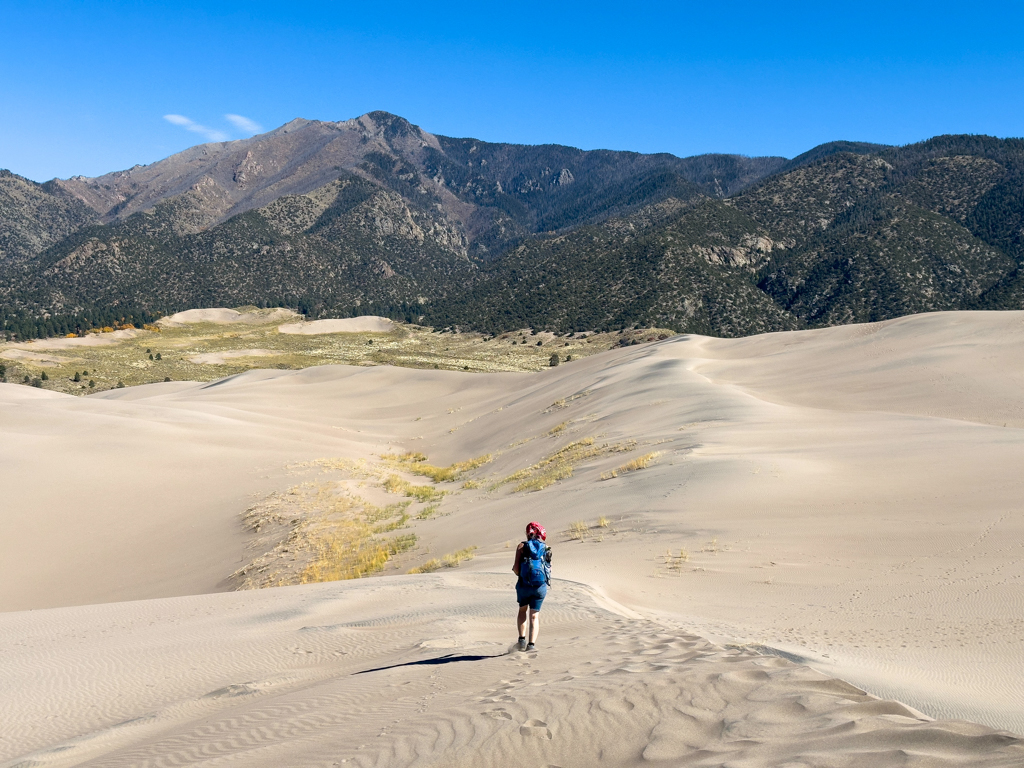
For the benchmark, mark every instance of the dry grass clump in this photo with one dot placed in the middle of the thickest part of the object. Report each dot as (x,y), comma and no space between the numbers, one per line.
(676,562)
(564,402)
(451,560)
(602,522)
(578,530)
(349,552)
(416,463)
(374,514)
(558,428)
(428,512)
(319,531)
(394,525)
(395,484)
(640,462)
(560,464)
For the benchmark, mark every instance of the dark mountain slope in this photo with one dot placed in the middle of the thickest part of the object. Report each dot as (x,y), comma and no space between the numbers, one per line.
(35,216)
(841,237)
(376,215)
(497,193)
(347,243)
(675,265)
(880,262)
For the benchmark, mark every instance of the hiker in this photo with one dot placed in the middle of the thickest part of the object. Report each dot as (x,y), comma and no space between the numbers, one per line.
(533,567)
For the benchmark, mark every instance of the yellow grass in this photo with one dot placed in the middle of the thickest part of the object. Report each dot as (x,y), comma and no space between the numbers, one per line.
(416,463)
(560,464)
(395,484)
(348,553)
(640,462)
(428,512)
(578,530)
(319,531)
(451,560)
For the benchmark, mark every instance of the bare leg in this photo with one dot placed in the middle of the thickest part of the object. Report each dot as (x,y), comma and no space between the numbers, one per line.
(534,625)
(523,612)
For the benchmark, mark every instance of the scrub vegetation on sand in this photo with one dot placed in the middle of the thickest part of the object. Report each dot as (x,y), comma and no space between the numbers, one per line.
(206,351)
(560,464)
(322,530)
(416,463)
(640,462)
(451,560)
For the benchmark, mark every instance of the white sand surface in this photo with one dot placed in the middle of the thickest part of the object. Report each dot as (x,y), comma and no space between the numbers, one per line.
(216,358)
(224,315)
(364,324)
(418,671)
(849,498)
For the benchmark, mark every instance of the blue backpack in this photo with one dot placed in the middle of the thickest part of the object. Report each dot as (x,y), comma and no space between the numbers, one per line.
(535,566)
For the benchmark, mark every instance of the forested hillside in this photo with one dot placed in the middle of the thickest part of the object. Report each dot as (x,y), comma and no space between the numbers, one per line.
(374,215)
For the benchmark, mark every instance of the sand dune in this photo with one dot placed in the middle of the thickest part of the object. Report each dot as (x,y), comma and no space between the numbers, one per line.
(848,498)
(364,324)
(224,315)
(47,361)
(90,340)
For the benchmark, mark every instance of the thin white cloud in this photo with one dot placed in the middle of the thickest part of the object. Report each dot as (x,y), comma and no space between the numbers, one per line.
(190,125)
(244,124)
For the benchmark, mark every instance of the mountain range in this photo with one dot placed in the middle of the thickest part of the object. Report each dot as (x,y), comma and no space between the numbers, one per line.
(376,216)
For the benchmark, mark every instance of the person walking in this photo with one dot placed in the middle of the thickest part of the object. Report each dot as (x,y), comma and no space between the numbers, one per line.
(533,567)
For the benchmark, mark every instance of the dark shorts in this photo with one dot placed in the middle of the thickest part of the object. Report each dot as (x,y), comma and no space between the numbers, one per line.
(531,596)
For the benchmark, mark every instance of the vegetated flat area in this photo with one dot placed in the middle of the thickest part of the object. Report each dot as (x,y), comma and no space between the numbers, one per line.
(739,526)
(210,344)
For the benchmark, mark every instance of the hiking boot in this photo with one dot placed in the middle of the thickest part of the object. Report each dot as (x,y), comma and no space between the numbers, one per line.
(522,644)
(531,647)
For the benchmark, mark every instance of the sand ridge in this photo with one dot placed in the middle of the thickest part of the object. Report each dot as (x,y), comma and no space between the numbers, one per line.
(846,497)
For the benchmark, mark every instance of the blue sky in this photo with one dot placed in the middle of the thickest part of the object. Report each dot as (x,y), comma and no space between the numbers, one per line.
(85,86)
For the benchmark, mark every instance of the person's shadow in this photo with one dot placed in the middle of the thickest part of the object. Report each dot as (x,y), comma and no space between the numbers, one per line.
(451,658)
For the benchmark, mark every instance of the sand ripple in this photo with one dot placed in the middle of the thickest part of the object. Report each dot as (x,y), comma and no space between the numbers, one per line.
(339,674)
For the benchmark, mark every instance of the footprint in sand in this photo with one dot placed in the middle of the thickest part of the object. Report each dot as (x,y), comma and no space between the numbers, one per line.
(498,714)
(536,728)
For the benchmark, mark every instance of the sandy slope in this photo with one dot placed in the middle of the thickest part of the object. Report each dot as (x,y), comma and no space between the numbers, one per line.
(858,483)
(224,315)
(417,671)
(370,323)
